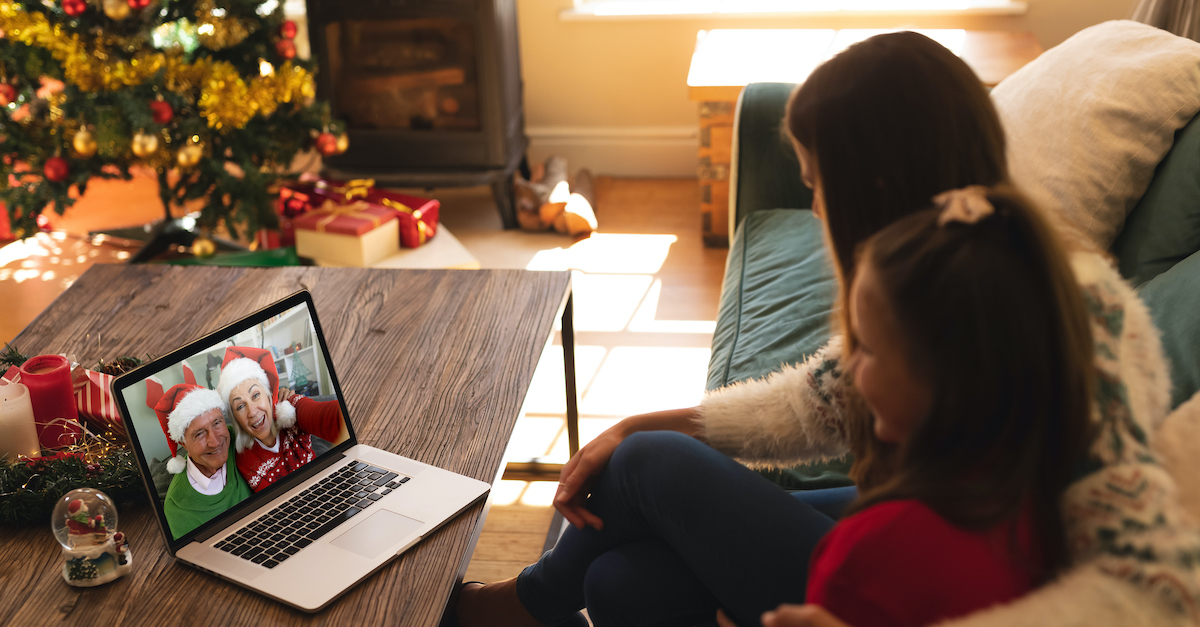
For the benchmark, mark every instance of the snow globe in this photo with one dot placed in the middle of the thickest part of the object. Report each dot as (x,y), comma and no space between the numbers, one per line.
(94,552)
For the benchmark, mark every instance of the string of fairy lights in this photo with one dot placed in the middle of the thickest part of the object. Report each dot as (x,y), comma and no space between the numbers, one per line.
(98,458)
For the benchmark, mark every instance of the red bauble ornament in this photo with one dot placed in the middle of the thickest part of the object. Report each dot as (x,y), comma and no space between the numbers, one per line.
(161,111)
(139,4)
(8,93)
(74,8)
(56,169)
(288,30)
(286,48)
(327,144)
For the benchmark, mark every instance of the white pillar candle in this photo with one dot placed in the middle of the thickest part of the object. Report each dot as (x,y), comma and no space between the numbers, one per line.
(18,436)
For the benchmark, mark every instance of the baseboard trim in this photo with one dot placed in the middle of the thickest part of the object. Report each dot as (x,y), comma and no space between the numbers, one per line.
(641,151)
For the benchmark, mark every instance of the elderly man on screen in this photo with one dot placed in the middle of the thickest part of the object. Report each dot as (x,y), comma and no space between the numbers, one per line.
(205,482)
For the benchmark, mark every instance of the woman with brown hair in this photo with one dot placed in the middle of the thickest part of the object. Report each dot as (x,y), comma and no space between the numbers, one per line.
(669,528)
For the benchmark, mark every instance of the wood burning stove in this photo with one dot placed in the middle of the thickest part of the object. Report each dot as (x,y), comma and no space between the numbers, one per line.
(430,91)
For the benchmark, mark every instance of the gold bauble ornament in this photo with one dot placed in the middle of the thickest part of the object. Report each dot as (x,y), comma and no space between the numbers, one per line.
(203,247)
(343,144)
(189,155)
(84,143)
(144,144)
(116,9)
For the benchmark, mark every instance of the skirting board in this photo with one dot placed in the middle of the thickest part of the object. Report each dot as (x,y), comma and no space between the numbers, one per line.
(641,151)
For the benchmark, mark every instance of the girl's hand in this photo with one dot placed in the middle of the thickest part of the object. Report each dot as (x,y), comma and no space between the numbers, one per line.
(801,616)
(791,616)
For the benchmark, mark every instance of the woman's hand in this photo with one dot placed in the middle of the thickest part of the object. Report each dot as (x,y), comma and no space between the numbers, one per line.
(575,481)
(791,616)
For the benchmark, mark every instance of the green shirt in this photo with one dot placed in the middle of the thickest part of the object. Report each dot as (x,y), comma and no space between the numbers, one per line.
(187,509)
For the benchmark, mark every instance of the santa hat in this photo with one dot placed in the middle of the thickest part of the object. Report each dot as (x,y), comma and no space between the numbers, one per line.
(242,363)
(176,409)
(189,375)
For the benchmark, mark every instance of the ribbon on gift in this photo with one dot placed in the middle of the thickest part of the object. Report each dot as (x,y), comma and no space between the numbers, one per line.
(331,210)
(94,400)
(422,228)
(354,188)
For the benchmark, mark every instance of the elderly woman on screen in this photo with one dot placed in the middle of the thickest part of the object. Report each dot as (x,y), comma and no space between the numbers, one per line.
(274,429)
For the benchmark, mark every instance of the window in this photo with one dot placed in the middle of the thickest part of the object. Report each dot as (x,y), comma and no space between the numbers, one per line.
(632,9)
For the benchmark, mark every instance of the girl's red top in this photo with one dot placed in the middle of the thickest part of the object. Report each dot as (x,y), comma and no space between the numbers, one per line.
(900,563)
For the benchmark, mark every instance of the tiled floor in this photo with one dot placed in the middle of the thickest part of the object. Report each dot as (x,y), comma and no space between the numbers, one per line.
(646,294)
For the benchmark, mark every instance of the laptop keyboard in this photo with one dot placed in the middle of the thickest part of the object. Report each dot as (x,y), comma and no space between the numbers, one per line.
(298,522)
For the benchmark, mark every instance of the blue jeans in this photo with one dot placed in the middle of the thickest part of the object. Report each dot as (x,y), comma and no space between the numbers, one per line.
(687,530)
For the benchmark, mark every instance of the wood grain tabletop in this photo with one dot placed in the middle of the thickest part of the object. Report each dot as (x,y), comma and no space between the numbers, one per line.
(434,364)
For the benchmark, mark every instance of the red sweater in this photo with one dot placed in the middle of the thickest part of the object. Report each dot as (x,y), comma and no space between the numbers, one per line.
(261,467)
(899,563)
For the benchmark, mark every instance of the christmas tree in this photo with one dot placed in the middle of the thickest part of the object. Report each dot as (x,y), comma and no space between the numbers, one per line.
(208,94)
(299,375)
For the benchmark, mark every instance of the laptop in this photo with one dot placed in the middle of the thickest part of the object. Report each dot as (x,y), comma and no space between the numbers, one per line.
(333,506)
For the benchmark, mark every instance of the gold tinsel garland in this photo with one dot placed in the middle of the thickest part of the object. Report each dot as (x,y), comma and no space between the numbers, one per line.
(226,100)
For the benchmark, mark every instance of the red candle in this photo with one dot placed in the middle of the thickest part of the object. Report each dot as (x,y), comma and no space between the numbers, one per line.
(48,378)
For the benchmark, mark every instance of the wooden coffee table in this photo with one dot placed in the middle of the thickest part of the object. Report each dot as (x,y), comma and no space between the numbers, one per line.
(435,365)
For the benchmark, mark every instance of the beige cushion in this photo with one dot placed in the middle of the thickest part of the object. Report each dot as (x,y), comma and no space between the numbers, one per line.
(1088,120)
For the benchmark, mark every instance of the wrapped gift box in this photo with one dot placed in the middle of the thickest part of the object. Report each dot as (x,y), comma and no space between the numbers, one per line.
(355,234)
(418,216)
(295,200)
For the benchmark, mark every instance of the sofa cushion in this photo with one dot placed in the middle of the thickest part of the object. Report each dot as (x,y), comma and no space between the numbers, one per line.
(765,173)
(777,297)
(1089,120)
(1164,227)
(776,308)
(1174,301)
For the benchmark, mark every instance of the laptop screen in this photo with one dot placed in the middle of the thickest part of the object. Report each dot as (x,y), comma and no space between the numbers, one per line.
(224,421)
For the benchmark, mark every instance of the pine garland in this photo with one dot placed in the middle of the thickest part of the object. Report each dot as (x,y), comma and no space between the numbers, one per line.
(29,490)
(10,357)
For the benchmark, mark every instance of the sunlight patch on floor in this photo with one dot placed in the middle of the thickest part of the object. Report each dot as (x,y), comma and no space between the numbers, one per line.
(629,361)
(608,302)
(645,319)
(532,493)
(609,253)
(636,379)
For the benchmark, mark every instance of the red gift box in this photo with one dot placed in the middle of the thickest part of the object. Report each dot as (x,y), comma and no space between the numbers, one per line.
(355,234)
(5,226)
(353,219)
(295,199)
(418,216)
(270,239)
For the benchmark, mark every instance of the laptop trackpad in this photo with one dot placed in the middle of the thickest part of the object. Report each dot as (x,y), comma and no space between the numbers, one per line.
(376,534)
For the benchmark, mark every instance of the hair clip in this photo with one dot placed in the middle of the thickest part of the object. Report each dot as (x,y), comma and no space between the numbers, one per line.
(967,205)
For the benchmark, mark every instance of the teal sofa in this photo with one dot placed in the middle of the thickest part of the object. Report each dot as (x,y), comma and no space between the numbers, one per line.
(779,289)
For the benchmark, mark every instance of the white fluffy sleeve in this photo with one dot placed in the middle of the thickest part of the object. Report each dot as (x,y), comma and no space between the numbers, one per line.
(795,415)
(1084,597)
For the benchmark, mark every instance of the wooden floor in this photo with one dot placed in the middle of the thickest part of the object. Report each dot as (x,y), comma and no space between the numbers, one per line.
(646,293)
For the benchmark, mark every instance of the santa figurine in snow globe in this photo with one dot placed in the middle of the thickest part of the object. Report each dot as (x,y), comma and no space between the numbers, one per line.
(94,552)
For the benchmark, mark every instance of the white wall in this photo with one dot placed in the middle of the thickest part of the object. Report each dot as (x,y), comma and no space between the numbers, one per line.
(612,95)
